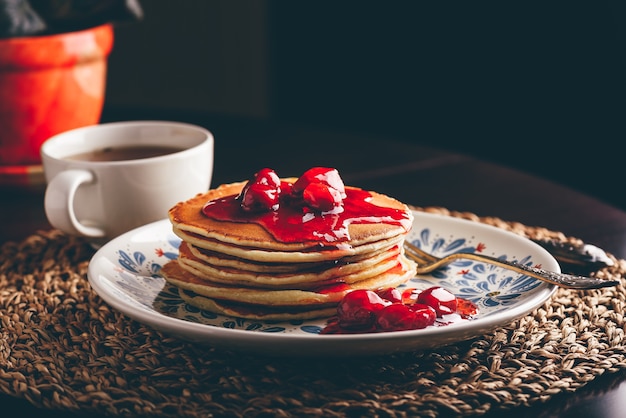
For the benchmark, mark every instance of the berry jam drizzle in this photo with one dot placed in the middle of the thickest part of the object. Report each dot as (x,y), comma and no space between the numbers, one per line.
(295,220)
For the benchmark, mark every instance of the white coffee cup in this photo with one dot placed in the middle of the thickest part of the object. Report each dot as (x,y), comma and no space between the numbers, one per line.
(102,199)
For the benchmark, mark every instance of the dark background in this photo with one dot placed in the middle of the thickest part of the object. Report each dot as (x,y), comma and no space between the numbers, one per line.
(537,85)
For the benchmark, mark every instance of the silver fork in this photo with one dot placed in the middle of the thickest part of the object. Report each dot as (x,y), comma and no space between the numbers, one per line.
(427,263)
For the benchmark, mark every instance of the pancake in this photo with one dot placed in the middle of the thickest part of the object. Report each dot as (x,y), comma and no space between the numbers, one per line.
(253,312)
(314,254)
(187,217)
(311,299)
(342,272)
(217,260)
(289,254)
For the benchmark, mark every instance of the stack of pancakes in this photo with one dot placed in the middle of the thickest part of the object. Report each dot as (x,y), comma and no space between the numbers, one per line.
(240,269)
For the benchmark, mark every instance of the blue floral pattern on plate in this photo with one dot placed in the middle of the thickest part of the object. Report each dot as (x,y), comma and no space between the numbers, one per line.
(136,277)
(125,272)
(488,286)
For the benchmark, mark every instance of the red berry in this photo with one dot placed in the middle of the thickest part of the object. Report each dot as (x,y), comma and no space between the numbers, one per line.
(396,317)
(267,177)
(442,300)
(357,309)
(286,188)
(391,294)
(259,198)
(262,192)
(320,197)
(410,295)
(324,175)
(425,315)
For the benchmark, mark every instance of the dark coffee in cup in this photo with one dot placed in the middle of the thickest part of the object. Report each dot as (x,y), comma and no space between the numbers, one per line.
(124,153)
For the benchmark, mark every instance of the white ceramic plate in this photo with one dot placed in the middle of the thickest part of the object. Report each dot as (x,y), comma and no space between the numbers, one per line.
(125,273)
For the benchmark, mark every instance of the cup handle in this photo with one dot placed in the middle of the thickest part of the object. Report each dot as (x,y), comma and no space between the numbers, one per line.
(59,203)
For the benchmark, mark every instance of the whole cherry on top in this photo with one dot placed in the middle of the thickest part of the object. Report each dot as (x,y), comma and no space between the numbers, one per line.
(262,192)
(320,188)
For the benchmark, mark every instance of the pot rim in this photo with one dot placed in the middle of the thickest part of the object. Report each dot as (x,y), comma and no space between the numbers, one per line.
(56,50)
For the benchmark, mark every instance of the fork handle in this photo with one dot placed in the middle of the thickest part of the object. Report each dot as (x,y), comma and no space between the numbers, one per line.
(569,281)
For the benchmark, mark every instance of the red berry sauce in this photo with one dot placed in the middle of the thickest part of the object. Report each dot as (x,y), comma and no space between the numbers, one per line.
(367,311)
(315,208)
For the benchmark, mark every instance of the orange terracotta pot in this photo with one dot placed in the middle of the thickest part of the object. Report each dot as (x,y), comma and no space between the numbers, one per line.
(49,84)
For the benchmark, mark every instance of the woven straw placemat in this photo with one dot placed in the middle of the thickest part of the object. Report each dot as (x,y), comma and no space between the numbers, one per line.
(62,347)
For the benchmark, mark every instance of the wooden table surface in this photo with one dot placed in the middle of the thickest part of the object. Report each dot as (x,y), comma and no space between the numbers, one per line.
(413,173)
